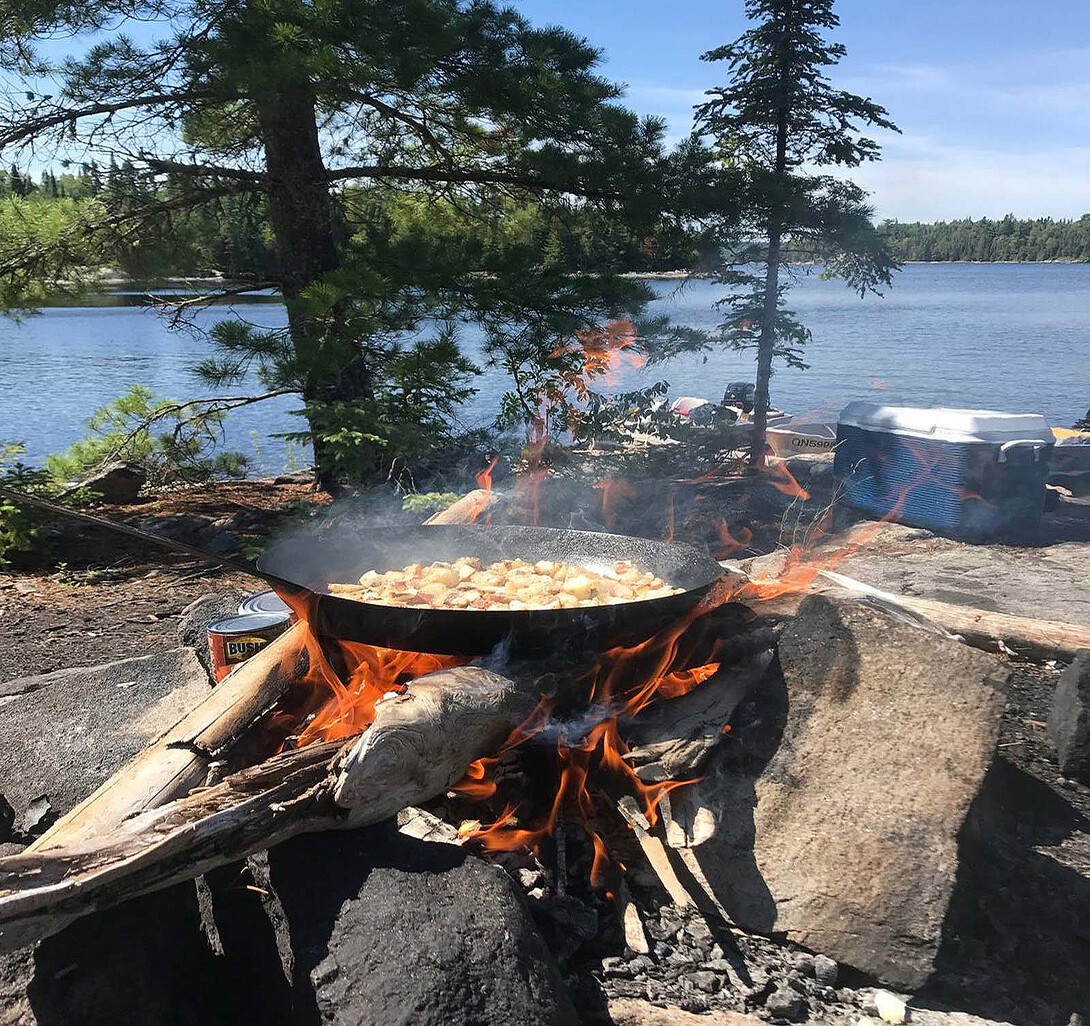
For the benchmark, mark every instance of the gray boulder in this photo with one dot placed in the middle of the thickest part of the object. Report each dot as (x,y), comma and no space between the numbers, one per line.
(388,929)
(847,780)
(65,732)
(117,483)
(1069,718)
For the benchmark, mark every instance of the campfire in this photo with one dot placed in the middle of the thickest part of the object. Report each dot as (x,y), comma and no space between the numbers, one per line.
(508,724)
(610,756)
(512,723)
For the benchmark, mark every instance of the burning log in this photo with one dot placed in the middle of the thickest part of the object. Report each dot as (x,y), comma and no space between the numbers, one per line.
(421,743)
(671,740)
(465,510)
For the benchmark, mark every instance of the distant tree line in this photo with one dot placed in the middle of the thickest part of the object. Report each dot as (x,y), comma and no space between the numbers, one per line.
(233,236)
(1009,239)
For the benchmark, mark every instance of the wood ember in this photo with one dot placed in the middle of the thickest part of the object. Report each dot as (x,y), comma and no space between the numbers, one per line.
(422,825)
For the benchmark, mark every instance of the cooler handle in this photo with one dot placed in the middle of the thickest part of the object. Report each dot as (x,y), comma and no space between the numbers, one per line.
(1037,444)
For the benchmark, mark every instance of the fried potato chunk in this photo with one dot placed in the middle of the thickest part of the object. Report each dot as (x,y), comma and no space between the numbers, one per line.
(509,584)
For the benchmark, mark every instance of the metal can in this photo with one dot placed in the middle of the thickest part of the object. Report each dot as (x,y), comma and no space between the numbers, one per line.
(265,602)
(234,639)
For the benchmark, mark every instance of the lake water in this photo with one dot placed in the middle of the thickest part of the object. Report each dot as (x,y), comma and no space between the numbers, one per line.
(996,336)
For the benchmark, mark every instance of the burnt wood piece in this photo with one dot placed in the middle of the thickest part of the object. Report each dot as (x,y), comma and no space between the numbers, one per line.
(419,745)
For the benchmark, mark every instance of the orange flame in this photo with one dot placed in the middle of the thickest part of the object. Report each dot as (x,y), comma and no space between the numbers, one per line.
(615,491)
(484,498)
(732,543)
(783,480)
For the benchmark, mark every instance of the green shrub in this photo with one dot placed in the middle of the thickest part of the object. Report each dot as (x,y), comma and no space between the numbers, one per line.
(132,428)
(19,525)
(428,502)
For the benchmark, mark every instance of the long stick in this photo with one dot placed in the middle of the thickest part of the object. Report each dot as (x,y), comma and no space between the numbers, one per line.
(980,628)
(179,759)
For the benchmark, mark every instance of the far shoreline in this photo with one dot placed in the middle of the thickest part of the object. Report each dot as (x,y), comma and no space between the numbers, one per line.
(111,279)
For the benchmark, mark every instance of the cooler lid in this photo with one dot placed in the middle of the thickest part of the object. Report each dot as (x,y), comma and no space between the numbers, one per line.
(948,424)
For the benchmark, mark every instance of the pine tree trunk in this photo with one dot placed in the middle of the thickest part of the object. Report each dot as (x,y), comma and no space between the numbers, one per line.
(766,345)
(301,215)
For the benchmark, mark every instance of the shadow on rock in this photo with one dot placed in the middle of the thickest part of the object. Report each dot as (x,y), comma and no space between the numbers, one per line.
(1017,940)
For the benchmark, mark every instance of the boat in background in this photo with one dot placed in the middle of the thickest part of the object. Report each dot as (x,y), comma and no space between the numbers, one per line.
(796,438)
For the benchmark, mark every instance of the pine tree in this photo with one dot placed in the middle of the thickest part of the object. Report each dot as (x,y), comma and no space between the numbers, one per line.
(454,101)
(775,119)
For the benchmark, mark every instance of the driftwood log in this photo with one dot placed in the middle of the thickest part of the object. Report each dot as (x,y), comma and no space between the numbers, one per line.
(420,744)
(180,759)
(981,628)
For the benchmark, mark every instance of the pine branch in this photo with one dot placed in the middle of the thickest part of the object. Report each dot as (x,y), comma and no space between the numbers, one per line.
(32,127)
(200,170)
(472,176)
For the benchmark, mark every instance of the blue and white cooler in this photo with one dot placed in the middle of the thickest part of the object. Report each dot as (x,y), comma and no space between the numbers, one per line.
(967,473)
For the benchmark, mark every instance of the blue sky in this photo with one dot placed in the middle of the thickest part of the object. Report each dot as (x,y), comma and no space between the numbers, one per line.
(992,96)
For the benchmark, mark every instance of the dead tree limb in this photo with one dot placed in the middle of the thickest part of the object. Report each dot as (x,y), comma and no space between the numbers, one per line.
(179,760)
(420,744)
(1025,636)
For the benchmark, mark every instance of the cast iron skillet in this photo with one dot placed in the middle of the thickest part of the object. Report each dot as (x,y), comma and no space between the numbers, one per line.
(343,552)
(309,559)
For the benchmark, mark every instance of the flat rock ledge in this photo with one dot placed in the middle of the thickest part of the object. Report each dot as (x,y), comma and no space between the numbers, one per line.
(846,784)
(66,732)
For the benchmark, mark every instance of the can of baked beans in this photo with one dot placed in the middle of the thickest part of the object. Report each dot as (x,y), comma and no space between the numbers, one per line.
(234,639)
(265,602)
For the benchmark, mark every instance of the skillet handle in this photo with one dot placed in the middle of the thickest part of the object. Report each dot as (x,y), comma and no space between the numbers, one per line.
(242,565)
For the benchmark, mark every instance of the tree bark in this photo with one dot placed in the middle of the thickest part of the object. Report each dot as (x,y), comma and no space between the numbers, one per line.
(766,345)
(301,214)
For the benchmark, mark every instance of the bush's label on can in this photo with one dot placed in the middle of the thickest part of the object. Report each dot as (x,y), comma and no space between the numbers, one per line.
(237,650)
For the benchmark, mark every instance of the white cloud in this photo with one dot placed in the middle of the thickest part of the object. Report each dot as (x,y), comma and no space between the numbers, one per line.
(983,138)
(924,179)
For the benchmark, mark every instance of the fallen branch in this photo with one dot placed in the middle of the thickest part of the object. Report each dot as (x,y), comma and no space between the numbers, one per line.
(419,745)
(1025,636)
(180,759)
(981,628)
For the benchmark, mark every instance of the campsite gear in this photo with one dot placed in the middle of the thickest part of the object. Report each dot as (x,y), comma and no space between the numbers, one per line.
(741,394)
(973,474)
(265,602)
(1070,467)
(345,548)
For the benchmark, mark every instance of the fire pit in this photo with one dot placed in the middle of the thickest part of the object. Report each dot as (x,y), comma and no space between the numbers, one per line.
(321,729)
